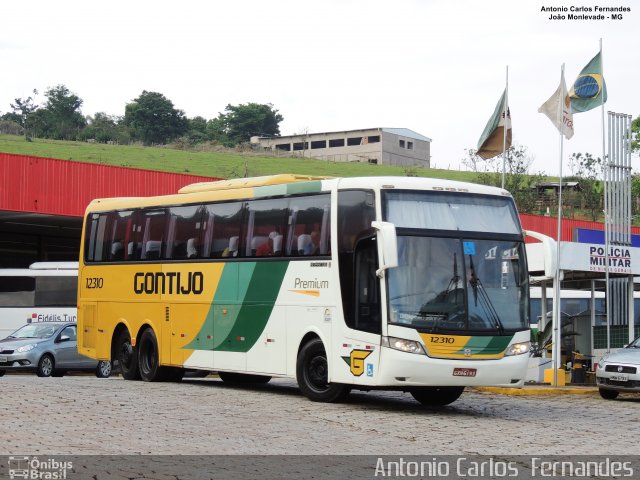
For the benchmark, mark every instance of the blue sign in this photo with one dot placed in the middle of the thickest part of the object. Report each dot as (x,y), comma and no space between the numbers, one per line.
(596,237)
(469,248)
(369,370)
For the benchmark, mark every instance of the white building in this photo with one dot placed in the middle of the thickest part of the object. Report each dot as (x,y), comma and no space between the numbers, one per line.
(385,146)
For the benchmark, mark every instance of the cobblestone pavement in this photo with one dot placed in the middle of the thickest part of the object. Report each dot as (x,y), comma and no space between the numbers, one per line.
(87,415)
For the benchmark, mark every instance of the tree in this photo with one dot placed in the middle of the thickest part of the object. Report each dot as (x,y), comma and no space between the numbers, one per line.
(104,128)
(241,122)
(154,120)
(635,135)
(517,180)
(22,109)
(216,131)
(197,130)
(63,119)
(588,172)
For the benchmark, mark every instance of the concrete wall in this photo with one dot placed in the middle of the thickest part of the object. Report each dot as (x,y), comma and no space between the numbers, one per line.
(394,154)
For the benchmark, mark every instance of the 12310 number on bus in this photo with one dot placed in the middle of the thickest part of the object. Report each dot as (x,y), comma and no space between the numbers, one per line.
(94,282)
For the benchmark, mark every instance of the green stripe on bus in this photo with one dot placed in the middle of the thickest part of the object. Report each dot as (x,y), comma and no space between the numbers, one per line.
(270,190)
(256,308)
(241,307)
(288,189)
(486,345)
(304,187)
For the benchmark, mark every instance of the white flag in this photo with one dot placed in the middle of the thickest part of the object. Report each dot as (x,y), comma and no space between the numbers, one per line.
(558,110)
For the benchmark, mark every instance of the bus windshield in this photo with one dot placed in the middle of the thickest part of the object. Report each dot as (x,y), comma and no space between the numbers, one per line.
(450,281)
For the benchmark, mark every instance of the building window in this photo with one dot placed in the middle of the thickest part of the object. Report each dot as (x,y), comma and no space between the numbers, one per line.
(354,141)
(301,145)
(410,145)
(401,143)
(319,144)
(374,139)
(283,146)
(336,142)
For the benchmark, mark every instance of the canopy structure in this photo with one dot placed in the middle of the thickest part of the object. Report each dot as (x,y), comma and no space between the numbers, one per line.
(583,266)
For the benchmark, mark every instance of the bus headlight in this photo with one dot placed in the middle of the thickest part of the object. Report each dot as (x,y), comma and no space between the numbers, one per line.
(519,348)
(408,346)
(26,348)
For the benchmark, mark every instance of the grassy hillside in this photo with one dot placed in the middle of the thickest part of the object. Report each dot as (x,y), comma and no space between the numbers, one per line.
(223,164)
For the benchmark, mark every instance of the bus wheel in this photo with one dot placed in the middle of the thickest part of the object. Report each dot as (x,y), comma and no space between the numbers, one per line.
(242,378)
(608,394)
(312,373)
(2,372)
(45,366)
(127,357)
(149,358)
(437,396)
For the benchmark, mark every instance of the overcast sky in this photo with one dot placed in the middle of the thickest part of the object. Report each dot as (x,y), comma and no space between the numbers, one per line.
(434,66)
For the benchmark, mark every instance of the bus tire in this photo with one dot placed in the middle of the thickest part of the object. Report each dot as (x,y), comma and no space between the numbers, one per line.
(242,378)
(312,371)
(608,394)
(437,396)
(149,358)
(2,372)
(45,366)
(127,357)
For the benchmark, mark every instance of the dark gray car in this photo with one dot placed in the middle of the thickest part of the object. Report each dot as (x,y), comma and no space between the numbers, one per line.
(49,349)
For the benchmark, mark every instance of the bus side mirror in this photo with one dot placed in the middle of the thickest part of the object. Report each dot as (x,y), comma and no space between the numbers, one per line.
(388,246)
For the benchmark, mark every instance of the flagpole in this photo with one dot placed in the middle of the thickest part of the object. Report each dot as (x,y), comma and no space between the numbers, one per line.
(607,207)
(557,351)
(504,116)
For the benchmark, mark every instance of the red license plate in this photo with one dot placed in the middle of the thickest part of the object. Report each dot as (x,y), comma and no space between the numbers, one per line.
(464,372)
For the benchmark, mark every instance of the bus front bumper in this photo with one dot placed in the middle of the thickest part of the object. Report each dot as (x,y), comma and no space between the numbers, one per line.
(398,369)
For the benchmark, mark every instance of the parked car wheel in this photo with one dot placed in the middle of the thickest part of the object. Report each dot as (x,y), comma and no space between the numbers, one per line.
(103,370)
(608,394)
(45,366)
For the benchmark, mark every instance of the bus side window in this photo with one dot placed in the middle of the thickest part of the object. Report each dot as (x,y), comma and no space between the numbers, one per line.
(266,220)
(118,234)
(183,232)
(97,241)
(222,223)
(152,243)
(309,226)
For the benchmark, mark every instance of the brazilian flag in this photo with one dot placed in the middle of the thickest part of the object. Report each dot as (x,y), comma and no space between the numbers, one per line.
(589,90)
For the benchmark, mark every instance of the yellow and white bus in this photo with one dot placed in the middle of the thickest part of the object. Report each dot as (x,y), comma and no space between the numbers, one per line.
(410,284)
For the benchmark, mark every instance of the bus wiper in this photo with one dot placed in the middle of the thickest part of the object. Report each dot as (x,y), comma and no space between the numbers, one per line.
(479,293)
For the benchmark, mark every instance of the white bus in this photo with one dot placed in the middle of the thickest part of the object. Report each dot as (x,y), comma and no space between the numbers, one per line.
(44,292)
(410,284)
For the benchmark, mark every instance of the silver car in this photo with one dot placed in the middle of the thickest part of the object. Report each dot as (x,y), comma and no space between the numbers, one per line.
(49,349)
(619,371)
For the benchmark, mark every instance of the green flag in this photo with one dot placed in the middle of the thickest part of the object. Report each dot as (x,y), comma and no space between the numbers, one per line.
(491,141)
(589,90)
